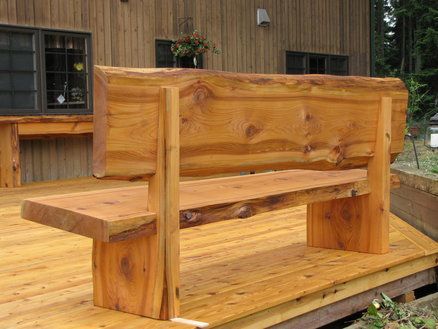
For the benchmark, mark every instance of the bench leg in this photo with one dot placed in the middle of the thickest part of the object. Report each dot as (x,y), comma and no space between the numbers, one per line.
(129,276)
(141,275)
(9,156)
(359,223)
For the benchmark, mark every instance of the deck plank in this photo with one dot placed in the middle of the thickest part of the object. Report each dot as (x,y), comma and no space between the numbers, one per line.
(257,271)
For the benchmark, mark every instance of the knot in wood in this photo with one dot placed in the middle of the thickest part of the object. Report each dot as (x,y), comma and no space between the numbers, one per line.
(244,212)
(307,149)
(200,95)
(191,216)
(125,266)
(252,130)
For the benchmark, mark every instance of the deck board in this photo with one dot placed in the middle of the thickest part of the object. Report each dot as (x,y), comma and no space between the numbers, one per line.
(258,270)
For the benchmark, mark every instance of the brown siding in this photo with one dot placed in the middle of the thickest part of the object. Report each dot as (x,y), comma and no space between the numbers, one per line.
(124,34)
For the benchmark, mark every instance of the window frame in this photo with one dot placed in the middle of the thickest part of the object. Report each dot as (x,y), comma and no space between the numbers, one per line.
(328,58)
(40,71)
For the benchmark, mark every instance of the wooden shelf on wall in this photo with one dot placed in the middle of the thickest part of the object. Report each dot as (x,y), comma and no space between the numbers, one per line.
(14,128)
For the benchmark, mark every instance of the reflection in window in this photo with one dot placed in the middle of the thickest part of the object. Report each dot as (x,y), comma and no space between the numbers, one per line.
(66,71)
(44,71)
(302,63)
(18,87)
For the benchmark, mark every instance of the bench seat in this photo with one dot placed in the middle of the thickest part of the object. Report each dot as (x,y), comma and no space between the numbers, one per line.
(121,213)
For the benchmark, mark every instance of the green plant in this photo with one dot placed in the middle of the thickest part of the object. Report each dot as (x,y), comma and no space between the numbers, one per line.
(416,98)
(389,314)
(192,45)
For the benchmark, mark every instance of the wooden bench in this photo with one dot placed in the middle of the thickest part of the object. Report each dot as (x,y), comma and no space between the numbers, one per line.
(15,128)
(327,142)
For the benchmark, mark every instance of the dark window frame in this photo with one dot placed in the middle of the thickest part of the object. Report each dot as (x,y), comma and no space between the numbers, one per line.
(328,62)
(40,72)
(177,61)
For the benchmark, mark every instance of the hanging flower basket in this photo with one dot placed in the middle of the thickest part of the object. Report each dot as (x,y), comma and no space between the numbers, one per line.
(193,45)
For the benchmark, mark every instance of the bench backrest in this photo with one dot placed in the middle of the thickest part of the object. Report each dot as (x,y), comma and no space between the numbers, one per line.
(231,122)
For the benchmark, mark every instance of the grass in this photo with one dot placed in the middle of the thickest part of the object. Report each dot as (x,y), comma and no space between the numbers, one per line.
(427,158)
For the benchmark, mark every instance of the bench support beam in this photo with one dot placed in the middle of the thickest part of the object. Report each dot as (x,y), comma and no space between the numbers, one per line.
(141,275)
(359,223)
(10,175)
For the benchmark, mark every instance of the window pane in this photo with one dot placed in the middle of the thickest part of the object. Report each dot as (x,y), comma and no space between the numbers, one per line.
(56,100)
(313,65)
(317,64)
(5,81)
(66,72)
(56,81)
(4,60)
(4,40)
(295,63)
(76,81)
(75,45)
(76,63)
(24,100)
(55,62)
(76,98)
(22,61)
(163,54)
(23,81)
(338,65)
(5,100)
(54,43)
(21,41)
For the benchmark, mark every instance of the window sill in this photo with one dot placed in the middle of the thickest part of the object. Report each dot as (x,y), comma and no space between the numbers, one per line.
(46,118)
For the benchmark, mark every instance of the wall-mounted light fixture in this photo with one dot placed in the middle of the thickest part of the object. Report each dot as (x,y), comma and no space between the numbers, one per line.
(263,19)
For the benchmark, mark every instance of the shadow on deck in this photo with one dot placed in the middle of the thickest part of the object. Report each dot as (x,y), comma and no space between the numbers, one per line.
(257,272)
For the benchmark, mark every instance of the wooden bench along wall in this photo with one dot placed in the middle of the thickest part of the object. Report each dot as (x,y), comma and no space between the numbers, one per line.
(332,138)
(14,128)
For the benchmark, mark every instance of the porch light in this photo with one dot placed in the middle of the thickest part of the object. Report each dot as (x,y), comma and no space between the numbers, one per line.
(431,139)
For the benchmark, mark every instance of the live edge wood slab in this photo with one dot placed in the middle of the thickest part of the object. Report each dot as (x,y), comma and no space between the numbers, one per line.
(118,214)
(163,124)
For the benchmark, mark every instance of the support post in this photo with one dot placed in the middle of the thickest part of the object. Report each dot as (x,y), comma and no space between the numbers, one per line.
(141,275)
(359,223)
(10,174)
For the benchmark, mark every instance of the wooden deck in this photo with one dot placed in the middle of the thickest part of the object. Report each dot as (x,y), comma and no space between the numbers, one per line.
(256,272)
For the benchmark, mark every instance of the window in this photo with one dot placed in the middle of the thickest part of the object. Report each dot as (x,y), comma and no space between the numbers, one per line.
(165,58)
(66,74)
(44,71)
(18,72)
(302,63)
(163,54)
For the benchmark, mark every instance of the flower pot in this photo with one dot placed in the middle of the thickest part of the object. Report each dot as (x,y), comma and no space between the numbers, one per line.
(414,131)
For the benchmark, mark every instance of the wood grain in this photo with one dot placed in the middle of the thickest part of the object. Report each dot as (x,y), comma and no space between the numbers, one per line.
(10,175)
(359,223)
(244,122)
(118,214)
(146,268)
(258,270)
(54,128)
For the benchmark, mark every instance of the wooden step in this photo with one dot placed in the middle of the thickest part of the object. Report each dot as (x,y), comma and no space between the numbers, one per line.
(121,213)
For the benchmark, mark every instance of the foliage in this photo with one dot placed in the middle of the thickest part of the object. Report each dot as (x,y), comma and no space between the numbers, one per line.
(416,98)
(389,314)
(193,44)
(406,46)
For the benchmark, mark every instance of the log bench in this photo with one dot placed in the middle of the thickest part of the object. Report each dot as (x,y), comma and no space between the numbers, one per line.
(324,141)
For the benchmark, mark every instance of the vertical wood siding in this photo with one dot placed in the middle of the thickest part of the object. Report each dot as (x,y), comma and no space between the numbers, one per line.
(124,34)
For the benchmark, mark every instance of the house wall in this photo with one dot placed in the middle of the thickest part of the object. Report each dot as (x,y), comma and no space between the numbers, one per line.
(124,34)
